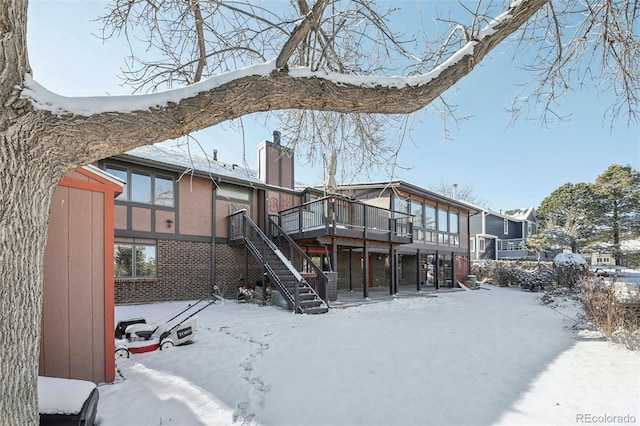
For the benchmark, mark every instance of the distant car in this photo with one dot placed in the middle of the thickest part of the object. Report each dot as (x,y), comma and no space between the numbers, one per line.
(67,401)
(600,273)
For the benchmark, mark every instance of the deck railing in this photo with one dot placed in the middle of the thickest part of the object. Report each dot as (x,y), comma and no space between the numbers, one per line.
(334,214)
(513,247)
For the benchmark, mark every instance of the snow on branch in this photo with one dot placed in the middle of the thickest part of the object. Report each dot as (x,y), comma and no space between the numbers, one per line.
(328,89)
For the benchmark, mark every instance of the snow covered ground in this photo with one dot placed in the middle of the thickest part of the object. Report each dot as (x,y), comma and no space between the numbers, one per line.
(463,358)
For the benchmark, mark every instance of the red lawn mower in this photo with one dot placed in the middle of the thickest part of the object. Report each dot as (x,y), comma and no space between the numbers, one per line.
(134,335)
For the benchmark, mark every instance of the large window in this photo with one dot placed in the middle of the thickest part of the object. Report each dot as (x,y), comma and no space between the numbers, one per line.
(144,187)
(430,217)
(453,222)
(122,174)
(443,225)
(163,191)
(140,188)
(401,205)
(416,211)
(133,260)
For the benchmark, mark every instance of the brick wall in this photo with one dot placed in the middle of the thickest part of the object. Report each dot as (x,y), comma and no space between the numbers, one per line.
(183,273)
(230,269)
(379,268)
(343,271)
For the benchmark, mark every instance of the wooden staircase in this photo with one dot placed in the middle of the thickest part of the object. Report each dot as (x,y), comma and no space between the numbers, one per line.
(300,296)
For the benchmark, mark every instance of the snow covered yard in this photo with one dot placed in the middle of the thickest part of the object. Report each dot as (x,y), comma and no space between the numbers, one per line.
(463,358)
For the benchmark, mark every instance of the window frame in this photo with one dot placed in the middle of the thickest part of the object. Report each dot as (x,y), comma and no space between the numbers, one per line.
(134,262)
(128,188)
(443,214)
(454,215)
(430,208)
(417,214)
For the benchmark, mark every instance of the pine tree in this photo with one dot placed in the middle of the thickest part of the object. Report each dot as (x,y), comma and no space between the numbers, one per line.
(567,216)
(618,205)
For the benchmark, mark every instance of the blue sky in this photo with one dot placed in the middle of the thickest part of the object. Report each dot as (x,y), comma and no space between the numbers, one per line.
(507,166)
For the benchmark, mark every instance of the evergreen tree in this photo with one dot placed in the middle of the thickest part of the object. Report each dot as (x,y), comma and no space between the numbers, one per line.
(618,205)
(537,242)
(567,216)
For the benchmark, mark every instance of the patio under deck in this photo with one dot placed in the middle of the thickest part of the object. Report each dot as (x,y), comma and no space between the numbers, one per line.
(347,298)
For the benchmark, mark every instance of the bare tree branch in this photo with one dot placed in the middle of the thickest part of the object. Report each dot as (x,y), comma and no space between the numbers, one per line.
(300,32)
(280,90)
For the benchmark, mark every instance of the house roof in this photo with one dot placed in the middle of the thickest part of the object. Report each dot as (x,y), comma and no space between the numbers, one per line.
(187,161)
(520,214)
(104,175)
(184,161)
(516,215)
(626,246)
(402,185)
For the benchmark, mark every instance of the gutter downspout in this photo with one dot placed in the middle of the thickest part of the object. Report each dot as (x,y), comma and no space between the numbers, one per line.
(214,199)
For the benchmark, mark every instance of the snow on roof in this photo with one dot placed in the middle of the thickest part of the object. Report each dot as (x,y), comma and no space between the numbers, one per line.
(97,171)
(517,215)
(520,214)
(189,161)
(630,246)
(626,246)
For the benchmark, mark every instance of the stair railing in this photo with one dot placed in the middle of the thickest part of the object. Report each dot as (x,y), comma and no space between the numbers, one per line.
(322,280)
(244,229)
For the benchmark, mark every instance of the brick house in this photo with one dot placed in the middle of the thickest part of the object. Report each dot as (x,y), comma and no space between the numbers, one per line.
(171,219)
(185,223)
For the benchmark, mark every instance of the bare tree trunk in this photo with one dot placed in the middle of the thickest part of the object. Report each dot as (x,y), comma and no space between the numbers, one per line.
(616,233)
(26,189)
(38,147)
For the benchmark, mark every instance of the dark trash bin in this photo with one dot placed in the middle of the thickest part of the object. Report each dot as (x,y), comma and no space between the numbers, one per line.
(332,285)
(63,402)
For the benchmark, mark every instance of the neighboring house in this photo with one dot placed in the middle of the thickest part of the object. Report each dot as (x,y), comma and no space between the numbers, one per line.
(186,223)
(77,339)
(603,254)
(601,258)
(502,235)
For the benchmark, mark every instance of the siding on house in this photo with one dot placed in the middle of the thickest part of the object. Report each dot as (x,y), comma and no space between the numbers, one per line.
(490,226)
(194,228)
(190,236)
(77,314)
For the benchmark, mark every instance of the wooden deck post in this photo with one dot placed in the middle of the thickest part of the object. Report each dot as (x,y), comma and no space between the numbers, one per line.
(365,270)
(418,270)
(392,270)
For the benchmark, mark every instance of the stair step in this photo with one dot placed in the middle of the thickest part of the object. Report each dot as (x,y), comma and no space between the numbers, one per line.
(307,296)
(301,290)
(262,250)
(316,310)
